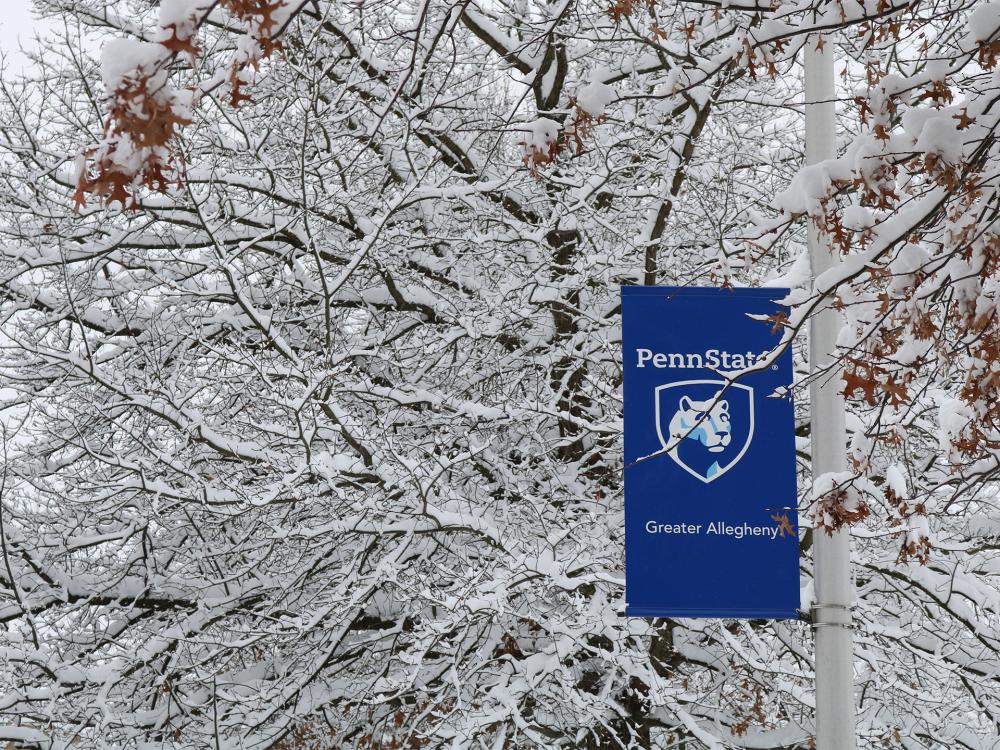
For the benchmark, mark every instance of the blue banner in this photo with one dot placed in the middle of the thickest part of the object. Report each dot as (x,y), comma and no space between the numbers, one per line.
(710,492)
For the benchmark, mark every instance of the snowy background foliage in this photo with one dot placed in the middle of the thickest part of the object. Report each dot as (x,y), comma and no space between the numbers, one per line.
(310,367)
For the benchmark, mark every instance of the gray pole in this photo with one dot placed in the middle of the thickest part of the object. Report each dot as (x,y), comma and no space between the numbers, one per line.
(835,715)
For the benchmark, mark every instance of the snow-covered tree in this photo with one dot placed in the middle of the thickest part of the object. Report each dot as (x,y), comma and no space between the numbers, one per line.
(311,383)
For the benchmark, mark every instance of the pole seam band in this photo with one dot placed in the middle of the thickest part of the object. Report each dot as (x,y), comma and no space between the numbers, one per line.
(817,623)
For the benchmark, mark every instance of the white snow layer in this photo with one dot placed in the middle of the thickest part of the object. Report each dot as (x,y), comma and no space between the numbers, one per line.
(896,481)
(120,58)
(984,21)
(540,134)
(594,98)
(178,12)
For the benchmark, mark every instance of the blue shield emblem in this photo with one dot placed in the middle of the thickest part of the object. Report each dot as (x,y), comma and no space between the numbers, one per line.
(705,426)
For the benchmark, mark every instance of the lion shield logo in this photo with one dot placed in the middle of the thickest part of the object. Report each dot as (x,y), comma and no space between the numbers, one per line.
(704,426)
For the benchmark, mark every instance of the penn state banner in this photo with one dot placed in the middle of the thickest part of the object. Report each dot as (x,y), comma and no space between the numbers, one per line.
(710,491)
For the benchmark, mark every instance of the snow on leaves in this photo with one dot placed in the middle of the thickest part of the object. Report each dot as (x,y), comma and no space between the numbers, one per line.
(906,210)
(145,112)
(144,109)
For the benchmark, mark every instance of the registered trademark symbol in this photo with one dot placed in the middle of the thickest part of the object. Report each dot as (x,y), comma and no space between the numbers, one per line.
(774,367)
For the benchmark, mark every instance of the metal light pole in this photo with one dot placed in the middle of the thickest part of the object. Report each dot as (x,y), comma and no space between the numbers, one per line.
(835,714)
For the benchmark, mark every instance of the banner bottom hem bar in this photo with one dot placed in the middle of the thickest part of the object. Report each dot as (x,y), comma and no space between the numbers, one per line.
(742,614)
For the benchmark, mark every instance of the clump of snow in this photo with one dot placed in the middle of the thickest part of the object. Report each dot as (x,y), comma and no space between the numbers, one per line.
(937,69)
(283,13)
(892,84)
(177,12)
(858,218)
(984,21)
(807,595)
(866,157)
(896,481)
(178,18)
(861,444)
(953,416)
(540,137)
(542,133)
(910,259)
(123,58)
(913,120)
(844,486)
(330,466)
(940,135)
(806,191)
(79,167)
(918,529)
(594,98)
(796,275)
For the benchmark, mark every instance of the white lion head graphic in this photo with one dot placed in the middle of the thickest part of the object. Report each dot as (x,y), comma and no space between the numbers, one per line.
(704,421)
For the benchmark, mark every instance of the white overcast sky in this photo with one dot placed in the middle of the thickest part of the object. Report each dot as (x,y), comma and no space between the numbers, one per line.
(16,21)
